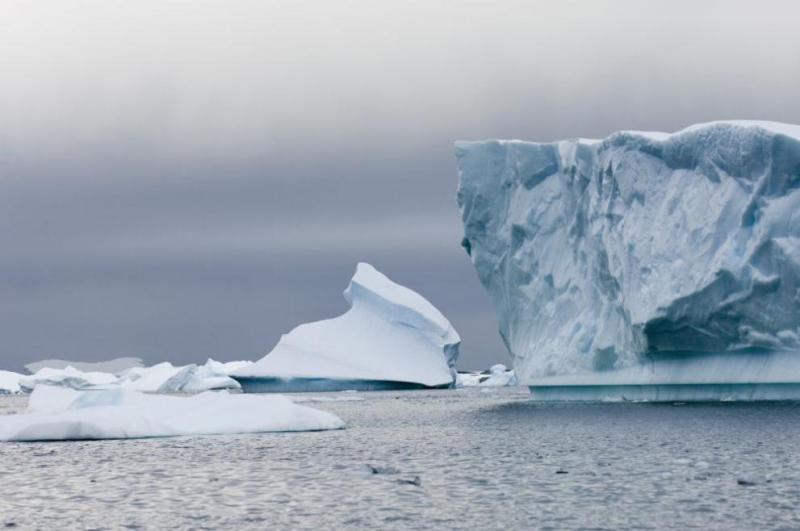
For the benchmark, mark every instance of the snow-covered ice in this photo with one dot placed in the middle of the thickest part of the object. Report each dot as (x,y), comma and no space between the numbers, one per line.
(66,377)
(167,378)
(160,378)
(498,375)
(57,413)
(115,366)
(391,337)
(641,252)
(9,382)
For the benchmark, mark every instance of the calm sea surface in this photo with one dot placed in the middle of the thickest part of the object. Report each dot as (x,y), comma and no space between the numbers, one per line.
(438,460)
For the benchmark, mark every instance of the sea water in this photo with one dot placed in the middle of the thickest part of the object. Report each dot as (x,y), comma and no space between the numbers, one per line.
(471,458)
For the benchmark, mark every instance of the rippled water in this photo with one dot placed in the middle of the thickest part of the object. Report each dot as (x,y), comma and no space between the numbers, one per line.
(445,459)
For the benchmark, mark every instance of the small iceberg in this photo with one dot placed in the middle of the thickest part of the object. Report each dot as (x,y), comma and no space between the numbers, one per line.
(497,376)
(390,338)
(167,378)
(9,382)
(60,414)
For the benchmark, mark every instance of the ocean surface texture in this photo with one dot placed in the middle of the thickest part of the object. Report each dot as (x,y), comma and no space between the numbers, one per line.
(477,458)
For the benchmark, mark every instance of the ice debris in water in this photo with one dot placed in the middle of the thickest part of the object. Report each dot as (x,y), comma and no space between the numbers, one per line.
(161,378)
(391,337)
(9,382)
(57,413)
(167,378)
(497,376)
(668,252)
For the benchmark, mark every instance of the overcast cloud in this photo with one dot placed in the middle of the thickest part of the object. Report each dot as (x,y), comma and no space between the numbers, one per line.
(181,180)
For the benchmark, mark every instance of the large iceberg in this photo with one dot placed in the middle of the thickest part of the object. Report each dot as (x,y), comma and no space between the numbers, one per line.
(644,265)
(57,413)
(390,338)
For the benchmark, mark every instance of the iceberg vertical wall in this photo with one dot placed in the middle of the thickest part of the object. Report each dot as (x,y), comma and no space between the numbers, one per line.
(642,259)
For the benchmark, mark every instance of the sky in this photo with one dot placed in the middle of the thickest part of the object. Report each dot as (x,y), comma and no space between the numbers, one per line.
(191,179)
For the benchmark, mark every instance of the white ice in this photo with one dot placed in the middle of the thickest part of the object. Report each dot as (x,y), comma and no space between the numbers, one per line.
(56,413)
(67,377)
(9,382)
(498,375)
(167,378)
(641,251)
(390,333)
(160,378)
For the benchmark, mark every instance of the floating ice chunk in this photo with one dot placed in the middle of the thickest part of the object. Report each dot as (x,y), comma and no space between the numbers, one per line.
(603,256)
(215,375)
(167,378)
(56,414)
(161,378)
(67,377)
(9,382)
(212,375)
(497,376)
(390,338)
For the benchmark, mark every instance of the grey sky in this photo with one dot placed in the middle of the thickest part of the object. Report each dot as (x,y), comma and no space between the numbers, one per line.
(191,179)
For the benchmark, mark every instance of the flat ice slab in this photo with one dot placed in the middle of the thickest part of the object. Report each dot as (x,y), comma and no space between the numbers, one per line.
(390,338)
(59,414)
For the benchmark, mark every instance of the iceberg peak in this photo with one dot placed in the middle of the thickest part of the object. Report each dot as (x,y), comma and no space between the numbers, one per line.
(390,337)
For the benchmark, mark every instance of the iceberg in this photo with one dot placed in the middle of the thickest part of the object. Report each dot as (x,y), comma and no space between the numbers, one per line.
(59,414)
(648,266)
(390,338)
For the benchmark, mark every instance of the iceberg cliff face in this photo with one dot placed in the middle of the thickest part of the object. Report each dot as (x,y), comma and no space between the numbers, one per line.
(602,255)
(391,337)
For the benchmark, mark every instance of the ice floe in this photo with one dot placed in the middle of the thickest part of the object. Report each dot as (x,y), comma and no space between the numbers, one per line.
(58,413)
